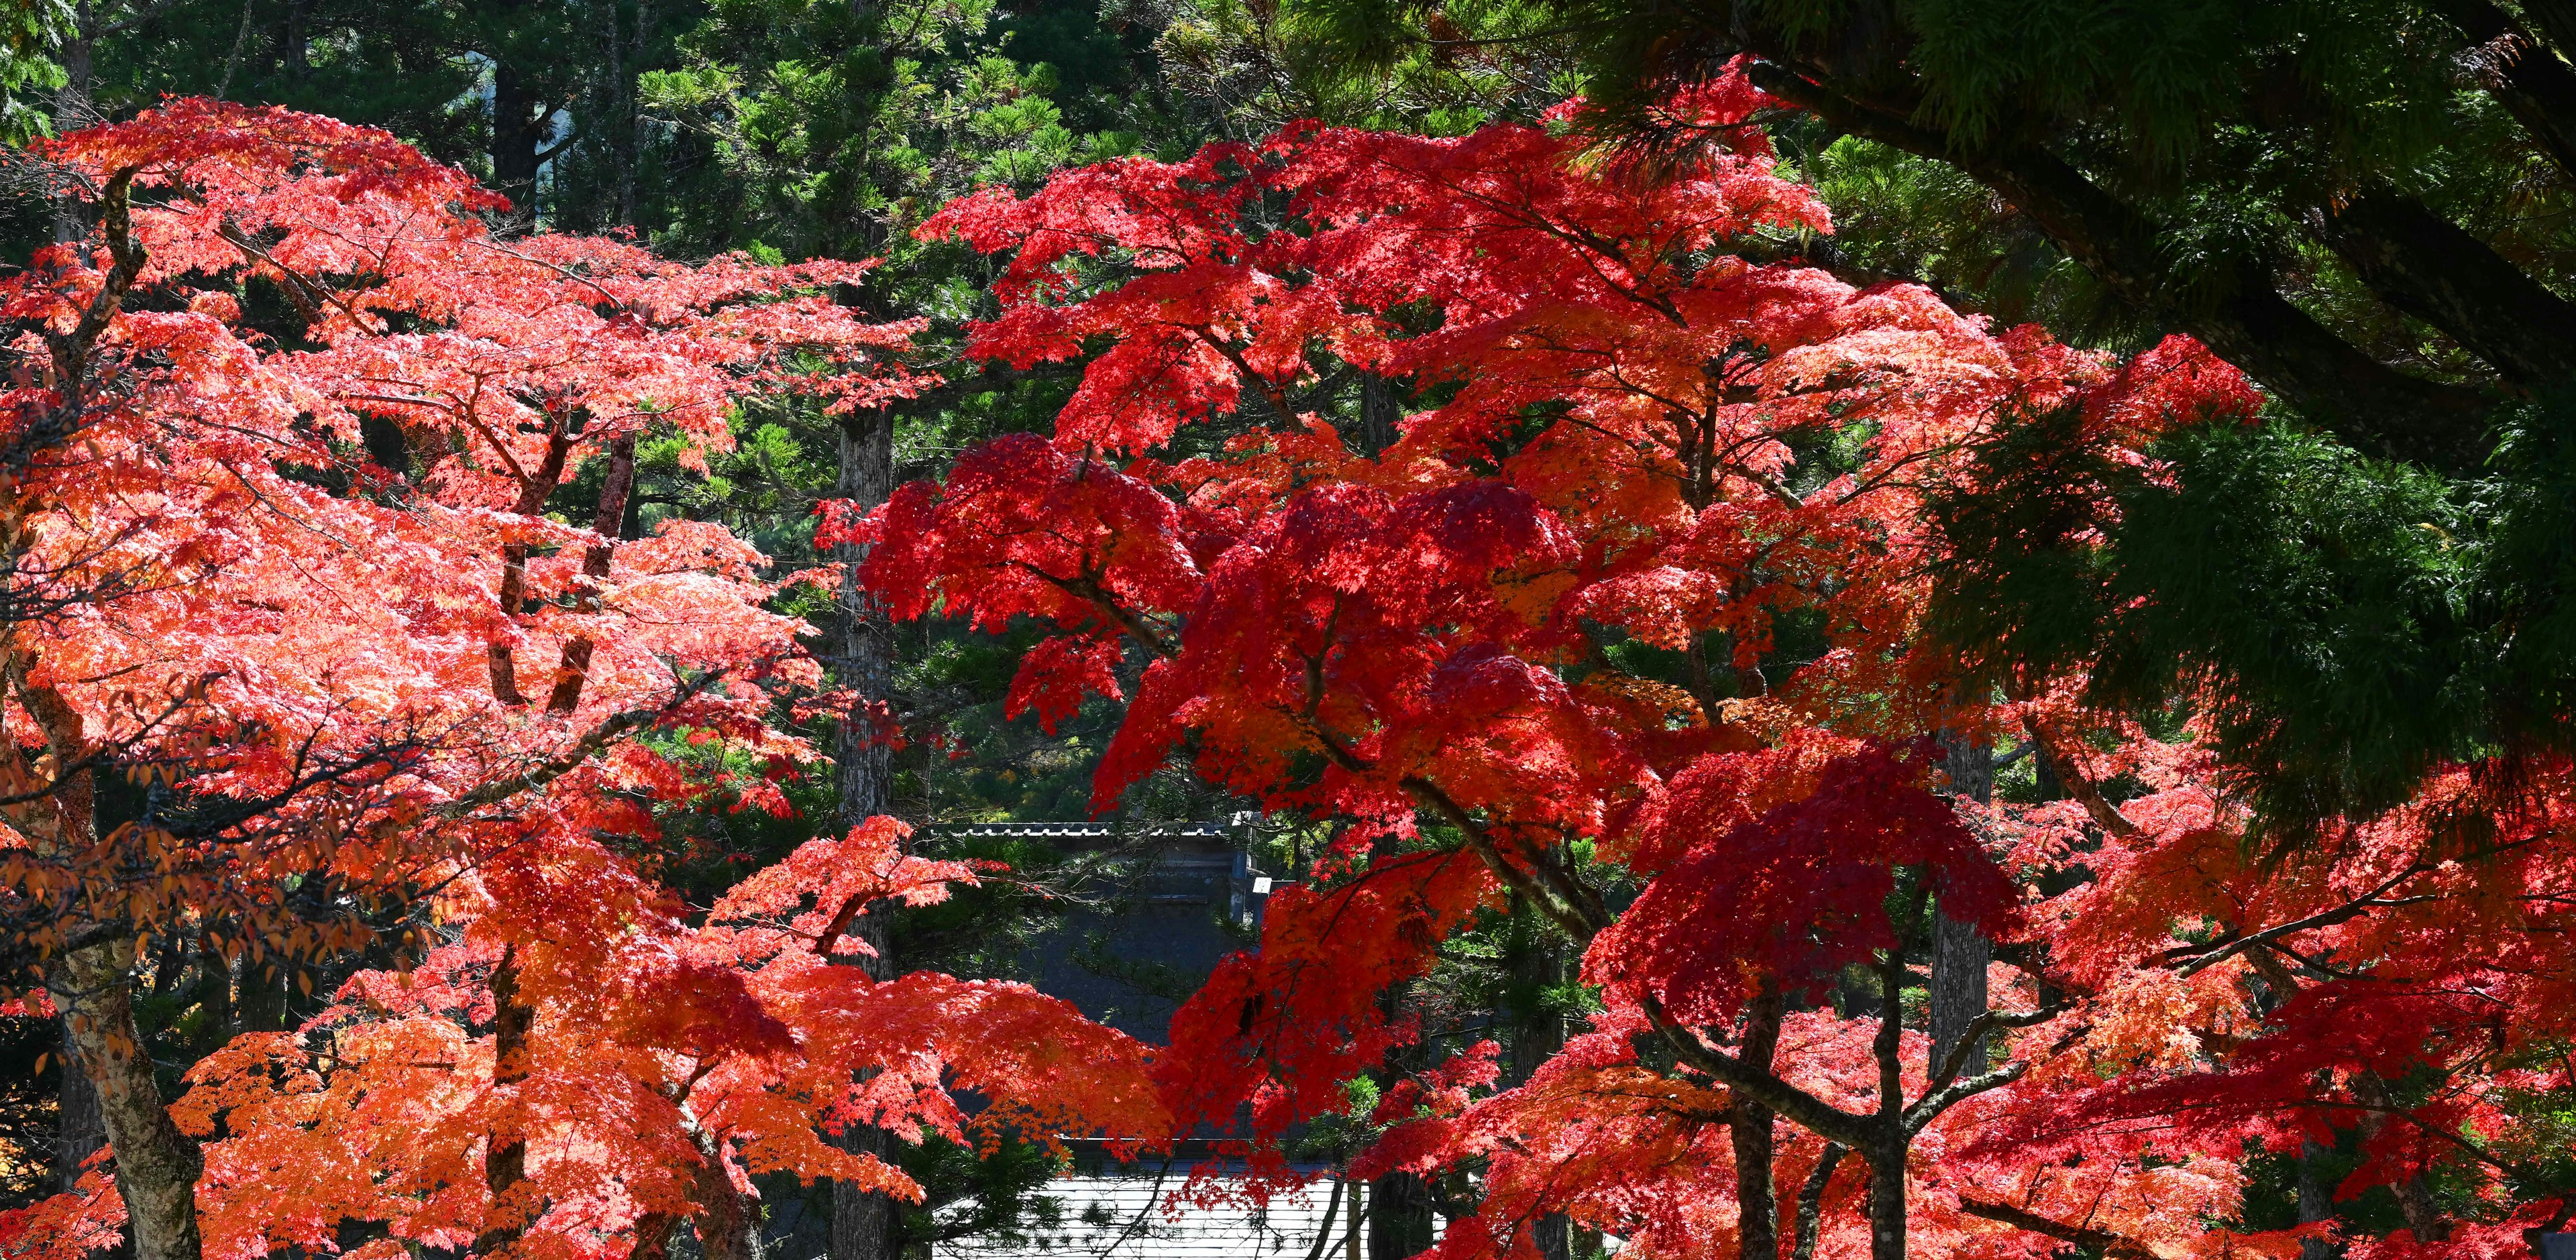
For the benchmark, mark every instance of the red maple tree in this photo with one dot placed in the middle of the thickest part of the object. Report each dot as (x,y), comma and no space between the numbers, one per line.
(1535,645)
(350,687)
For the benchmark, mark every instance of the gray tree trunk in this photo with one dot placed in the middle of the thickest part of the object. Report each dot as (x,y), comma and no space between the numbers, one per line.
(727,1225)
(1959,952)
(1750,1129)
(865,1223)
(80,1129)
(156,1165)
(73,111)
(2315,1201)
(1540,1036)
(1380,410)
(1399,1217)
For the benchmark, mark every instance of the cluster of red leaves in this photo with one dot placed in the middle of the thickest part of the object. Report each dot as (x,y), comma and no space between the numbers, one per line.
(1821,867)
(2401,991)
(658,1046)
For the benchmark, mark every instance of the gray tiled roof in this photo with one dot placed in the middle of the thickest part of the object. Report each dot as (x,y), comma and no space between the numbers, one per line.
(1125,1218)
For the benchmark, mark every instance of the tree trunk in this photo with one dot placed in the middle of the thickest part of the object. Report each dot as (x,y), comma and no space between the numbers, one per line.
(72,111)
(727,1226)
(1380,409)
(866,1224)
(533,492)
(1886,1153)
(296,46)
(2316,1203)
(505,1149)
(261,1002)
(156,1165)
(1749,1129)
(519,126)
(2414,1195)
(2530,81)
(607,522)
(1537,966)
(1959,952)
(1887,1204)
(863,660)
(92,986)
(2430,268)
(79,1127)
(1399,1216)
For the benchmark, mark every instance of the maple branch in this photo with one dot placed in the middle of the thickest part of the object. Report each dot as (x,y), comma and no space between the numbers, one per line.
(1930,1106)
(2112,1245)
(566,272)
(2086,792)
(2374,900)
(1089,591)
(71,351)
(1277,397)
(1811,1201)
(1810,1112)
(1587,245)
(611,728)
(1970,1038)
(302,289)
(1324,1232)
(1777,489)
(841,920)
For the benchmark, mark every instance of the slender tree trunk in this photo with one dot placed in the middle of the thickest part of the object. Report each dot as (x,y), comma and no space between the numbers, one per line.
(505,1146)
(79,1129)
(2315,1201)
(1887,1204)
(865,1223)
(513,595)
(1399,1216)
(607,522)
(653,1237)
(520,123)
(727,1225)
(73,111)
(863,659)
(261,1006)
(505,1149)
(1959,953)
(1539,965)
(1380,409)
(1749,1128)
(92,986)
(156,1165)
(297,44)
(2414,1195)
(1886,1156)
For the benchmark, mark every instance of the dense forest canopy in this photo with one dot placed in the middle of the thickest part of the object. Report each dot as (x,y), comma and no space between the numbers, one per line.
(1852,627)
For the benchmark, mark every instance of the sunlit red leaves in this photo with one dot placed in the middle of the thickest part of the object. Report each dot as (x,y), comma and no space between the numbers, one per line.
(238,562)
(83,1221)
(1622,438)
(649,1036)
(1021,529)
